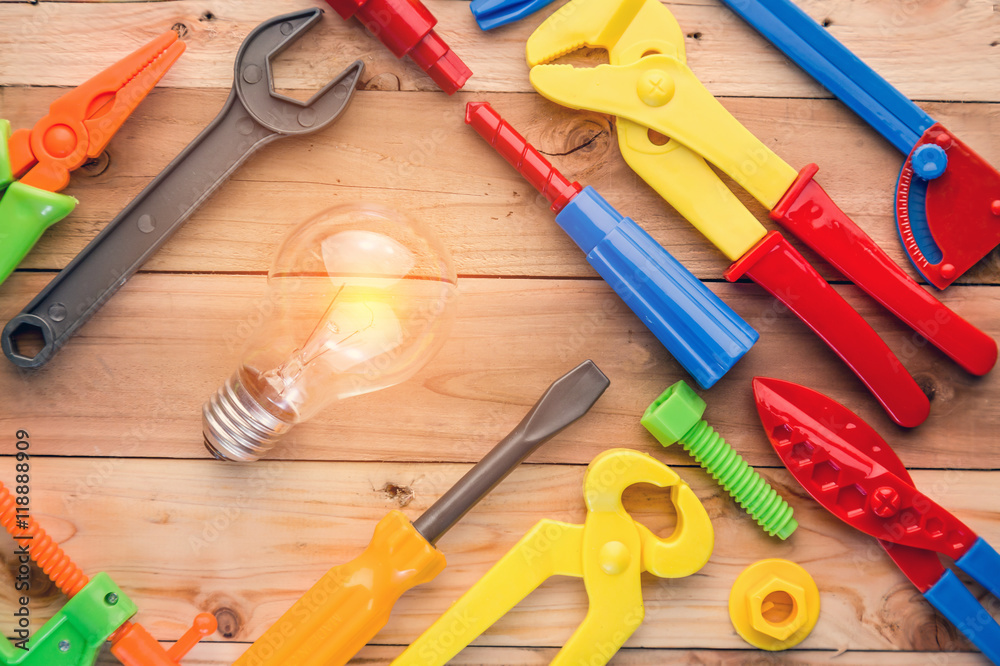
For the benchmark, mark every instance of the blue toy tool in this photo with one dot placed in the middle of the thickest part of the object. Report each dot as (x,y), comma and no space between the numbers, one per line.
(947,196)
(696,327)
(495,13)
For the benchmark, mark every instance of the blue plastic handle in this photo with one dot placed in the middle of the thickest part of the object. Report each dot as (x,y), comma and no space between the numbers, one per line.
(841,72)
(982,562)
(491,14)
(696,327)
(956,603)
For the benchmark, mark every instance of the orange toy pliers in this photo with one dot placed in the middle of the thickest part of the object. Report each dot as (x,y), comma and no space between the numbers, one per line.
(35,163)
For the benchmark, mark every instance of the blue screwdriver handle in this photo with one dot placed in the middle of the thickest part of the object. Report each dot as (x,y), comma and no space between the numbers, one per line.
(950,596)
(841,72)
(696,327)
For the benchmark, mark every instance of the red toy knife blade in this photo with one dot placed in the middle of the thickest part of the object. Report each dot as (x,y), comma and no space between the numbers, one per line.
(849,469)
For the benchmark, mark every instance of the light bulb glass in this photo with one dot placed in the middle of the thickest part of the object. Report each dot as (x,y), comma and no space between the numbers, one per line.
(359,299)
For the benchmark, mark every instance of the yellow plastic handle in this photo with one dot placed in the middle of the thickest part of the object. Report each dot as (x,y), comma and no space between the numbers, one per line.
(351,602)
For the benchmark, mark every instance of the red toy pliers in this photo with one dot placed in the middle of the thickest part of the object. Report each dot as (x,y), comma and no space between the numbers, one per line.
(78,127)
(848,468)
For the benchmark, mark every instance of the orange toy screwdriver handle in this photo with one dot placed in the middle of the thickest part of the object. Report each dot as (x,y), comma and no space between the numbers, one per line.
(351,602)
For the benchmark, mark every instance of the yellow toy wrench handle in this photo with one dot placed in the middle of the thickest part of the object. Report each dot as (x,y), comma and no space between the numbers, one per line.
(351,602)
(549,548)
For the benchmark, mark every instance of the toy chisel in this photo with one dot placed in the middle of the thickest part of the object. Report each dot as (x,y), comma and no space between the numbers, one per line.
(352,602)
(696,327)
(947,196)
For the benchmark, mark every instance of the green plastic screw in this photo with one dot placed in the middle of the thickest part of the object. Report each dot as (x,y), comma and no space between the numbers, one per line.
(676,417)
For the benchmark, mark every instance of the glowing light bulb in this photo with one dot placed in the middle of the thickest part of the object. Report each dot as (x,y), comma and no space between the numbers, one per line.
(360,298)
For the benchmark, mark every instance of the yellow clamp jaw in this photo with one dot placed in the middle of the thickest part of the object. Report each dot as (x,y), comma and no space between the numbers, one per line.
(609,551)
(648,86)
(626,29)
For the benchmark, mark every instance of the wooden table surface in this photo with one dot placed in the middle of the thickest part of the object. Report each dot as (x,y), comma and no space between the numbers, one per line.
(119,474)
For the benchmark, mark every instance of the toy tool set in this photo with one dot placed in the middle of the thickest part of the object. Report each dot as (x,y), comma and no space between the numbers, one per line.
(609,552)
(848,468)
(348,606)
(696,327)
(360,298)
(97,610)
(254,115)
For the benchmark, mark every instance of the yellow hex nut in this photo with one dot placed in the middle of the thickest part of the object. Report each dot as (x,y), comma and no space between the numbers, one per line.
(760,603)
(774,604)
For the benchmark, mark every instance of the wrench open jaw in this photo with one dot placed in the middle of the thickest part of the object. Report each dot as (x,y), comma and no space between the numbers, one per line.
(253,79)
(651,91)
(253,116)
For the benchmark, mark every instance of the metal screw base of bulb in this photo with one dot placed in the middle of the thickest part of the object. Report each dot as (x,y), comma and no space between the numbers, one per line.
(237,427)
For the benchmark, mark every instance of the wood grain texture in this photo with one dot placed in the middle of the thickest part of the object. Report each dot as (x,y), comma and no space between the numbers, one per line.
(244,541)
(120,477)
(58,43)
(441,172)
(132,381)
(215,653)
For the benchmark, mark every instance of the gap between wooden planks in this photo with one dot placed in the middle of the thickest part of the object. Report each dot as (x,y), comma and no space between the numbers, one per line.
(476,389)
(245,541)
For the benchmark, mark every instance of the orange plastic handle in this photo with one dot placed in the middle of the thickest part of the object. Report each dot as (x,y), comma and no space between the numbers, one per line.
(351,602)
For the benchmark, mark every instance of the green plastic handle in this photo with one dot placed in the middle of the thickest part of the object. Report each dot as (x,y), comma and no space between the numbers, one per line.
(25,212)
(75,635)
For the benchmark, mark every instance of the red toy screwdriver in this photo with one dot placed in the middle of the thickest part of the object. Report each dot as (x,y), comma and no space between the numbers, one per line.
(406,27)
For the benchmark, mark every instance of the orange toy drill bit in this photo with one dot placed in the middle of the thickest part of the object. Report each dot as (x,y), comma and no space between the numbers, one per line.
(97,610)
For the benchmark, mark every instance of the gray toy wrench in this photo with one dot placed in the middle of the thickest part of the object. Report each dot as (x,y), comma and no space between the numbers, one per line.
(254,115)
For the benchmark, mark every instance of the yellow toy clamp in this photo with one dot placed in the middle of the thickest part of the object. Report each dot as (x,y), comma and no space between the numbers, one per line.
(609,551)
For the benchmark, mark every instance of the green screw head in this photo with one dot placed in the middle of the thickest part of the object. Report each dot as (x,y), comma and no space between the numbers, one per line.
(674,413)
(111,598)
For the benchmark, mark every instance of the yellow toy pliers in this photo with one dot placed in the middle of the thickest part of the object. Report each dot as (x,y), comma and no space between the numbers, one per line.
(609,551)
(670,128)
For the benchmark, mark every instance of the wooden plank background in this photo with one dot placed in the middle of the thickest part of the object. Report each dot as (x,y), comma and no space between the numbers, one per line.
(120,476)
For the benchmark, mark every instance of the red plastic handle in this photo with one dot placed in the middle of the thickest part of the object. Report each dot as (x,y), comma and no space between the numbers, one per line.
(807,211)
(778,267)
